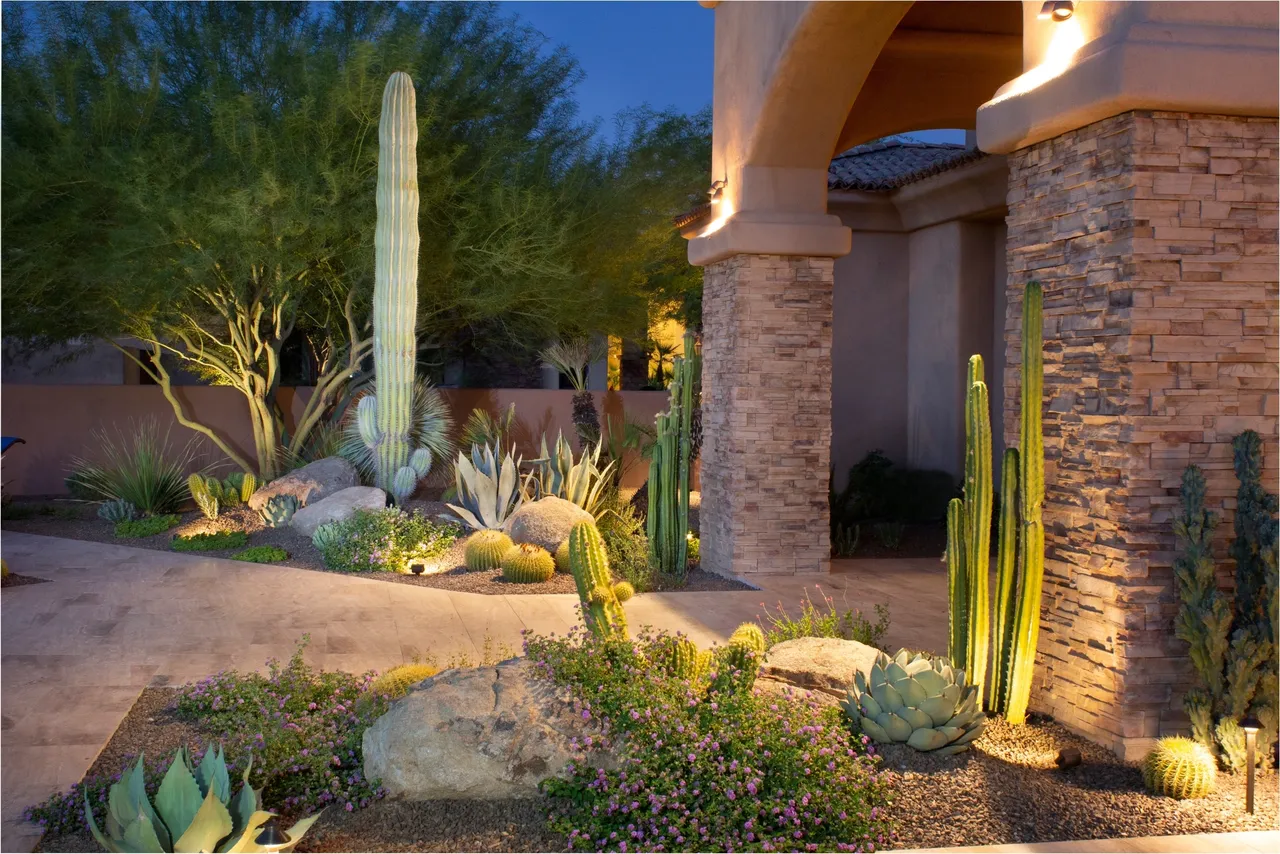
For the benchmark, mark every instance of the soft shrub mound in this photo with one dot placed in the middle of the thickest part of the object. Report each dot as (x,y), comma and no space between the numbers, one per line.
(148,526)
(210,542)
(386,540)
(826,621)
(262,554)
(706,770)
(627,546)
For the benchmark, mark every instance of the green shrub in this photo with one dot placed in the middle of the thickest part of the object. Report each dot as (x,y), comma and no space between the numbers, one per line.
(879,489)
(262,554)
(386,540)
(210,542)
(139,467)
(627,546)
(147,526)
(826,622)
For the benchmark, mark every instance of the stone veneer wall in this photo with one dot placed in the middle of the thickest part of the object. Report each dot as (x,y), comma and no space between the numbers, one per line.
(766,392)
(1155,237)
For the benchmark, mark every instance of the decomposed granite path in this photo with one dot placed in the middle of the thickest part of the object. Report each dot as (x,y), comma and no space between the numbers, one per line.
(76,652)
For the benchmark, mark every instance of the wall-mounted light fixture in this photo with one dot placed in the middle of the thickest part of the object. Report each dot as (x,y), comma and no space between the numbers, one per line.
(1250,725)
(1057,10)
(716,191)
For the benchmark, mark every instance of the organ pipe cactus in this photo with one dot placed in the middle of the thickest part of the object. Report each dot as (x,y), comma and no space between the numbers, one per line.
(385,419)
(1006,576)
(667,523)
(923,702)
(601,603)
(194,811)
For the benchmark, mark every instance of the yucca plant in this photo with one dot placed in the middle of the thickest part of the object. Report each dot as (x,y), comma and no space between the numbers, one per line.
(487,489)
(138,466)
(556,474)
(194,811)
(573,358)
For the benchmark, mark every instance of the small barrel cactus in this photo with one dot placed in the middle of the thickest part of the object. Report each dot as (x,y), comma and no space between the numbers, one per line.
(562,557)
(248,486)
(738,663)
(326,536)
(527,564)
(117,510)
(589,563)
(1180,768)
(750,636)
(918,700)
(680,658)
(278,510)
(485,550)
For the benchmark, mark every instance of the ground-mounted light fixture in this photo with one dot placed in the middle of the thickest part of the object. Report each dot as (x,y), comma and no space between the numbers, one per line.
(417,567)
(271,837)
(1250,725)
(1068,757)
(716,191)
(1057,10)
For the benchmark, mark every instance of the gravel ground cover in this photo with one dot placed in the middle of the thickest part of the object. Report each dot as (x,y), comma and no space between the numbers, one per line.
(78,521)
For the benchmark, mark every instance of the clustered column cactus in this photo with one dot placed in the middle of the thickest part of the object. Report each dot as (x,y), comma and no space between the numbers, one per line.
(667,522)
(1020,555)
(385,418)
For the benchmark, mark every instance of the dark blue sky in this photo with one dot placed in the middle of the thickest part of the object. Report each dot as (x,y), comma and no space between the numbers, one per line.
(633,53)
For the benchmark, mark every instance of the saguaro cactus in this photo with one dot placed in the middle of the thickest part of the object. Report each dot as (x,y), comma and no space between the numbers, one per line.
(667,524)
(385,418)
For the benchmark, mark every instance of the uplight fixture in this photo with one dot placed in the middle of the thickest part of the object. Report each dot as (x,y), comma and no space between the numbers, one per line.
(1250,725)
(716,191)
(1068,757)
(271,837)
(1057,10)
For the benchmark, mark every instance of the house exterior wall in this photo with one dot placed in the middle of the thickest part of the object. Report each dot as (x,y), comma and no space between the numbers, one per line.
(1154,235)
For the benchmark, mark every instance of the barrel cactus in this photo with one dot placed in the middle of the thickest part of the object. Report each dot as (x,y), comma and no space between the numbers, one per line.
(915,699)
(527,564)
(601,602)
(562,557)
(117,510)
(194,810)
(278,510)
(485,550)
(738,662)
(1180,768)
(680,658)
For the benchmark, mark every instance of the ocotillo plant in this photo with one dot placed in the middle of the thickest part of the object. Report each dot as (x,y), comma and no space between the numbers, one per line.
(385,418)
(668,517)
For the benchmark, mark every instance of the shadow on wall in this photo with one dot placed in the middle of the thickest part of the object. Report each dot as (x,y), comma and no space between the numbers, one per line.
(58,422)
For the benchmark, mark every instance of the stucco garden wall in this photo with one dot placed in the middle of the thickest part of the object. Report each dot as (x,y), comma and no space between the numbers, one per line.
(1154,235)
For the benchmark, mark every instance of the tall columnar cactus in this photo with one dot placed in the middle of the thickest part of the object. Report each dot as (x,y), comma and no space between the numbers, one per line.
(601,602)
(667,523)
(386,418)
(1006,581)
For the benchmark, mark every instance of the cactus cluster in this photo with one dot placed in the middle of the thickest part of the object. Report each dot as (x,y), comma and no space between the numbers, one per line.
(212,495)
(734,665)
(681,659)
(601,598)
(1020,550)
(278,510)
(667,522)
(117,510)
(1180,768)
(527,564)
(485,550)
(922,701)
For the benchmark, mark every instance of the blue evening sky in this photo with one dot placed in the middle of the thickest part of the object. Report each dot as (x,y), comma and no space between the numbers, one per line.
(634,53)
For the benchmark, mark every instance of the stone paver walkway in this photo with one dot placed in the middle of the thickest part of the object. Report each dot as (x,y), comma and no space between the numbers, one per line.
(112,620)
(1252,842)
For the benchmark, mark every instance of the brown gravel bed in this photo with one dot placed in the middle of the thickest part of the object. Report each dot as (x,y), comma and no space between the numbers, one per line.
(1008,790)
(303,555)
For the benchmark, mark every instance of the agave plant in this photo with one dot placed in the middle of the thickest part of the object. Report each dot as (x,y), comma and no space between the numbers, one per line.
(430,427)
(487,488)
(916,699)
(556,474)
(193,811)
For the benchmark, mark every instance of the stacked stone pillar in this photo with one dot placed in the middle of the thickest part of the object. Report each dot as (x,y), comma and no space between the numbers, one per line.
(1155,236)
(766,404)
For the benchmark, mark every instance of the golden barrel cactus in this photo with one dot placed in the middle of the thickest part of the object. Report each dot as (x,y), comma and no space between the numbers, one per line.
(1180,768)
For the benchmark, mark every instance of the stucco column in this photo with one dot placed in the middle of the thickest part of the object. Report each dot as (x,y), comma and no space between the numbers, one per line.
(1154,234)
(766,404)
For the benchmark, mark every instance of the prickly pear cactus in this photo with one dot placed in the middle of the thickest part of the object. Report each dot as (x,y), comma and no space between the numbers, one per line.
(278,510)
(1180,768)
(485,550)
(527,564)
(601,608)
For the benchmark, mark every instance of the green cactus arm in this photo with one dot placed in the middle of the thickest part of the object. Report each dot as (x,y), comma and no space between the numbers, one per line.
(978,542)
(957,583)
(1006,581)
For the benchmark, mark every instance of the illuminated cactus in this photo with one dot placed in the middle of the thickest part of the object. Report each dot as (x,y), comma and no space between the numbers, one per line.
(667,522)
(1180,768)
(205,492)
(527,564)
(601,608)
(1006,580)
(485,550)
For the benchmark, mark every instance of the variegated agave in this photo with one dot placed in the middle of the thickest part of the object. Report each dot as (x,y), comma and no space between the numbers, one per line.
(487,489)
(556,474)
(193,812)
(916,699)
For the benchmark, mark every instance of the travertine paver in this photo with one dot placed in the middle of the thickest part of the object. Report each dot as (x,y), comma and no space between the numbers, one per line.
(112,620)
(1252,842)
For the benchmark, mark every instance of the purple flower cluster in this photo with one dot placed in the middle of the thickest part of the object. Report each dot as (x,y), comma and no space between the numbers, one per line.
(727,770)
(63,813)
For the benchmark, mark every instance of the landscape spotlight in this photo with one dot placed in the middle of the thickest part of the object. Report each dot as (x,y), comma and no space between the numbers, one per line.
(716,191)
(417,567)
(1068,757)
(271,837)
(1250,725)
(1057,10)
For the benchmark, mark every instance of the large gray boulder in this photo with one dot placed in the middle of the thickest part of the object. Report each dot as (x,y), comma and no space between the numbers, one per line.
(309,483)
(818,664)
(479,733)
(546,522)
(337,507)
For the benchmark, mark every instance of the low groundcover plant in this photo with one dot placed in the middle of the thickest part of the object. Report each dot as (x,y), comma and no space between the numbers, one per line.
(386,541)
(702,769)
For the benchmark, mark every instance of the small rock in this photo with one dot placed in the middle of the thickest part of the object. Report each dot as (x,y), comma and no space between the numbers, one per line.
(545,522)
(818,664)
(309,483)
(343,504)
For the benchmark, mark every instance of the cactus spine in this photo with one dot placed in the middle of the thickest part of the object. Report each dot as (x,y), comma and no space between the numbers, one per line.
(385,418)
(667,523)
(601,610)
